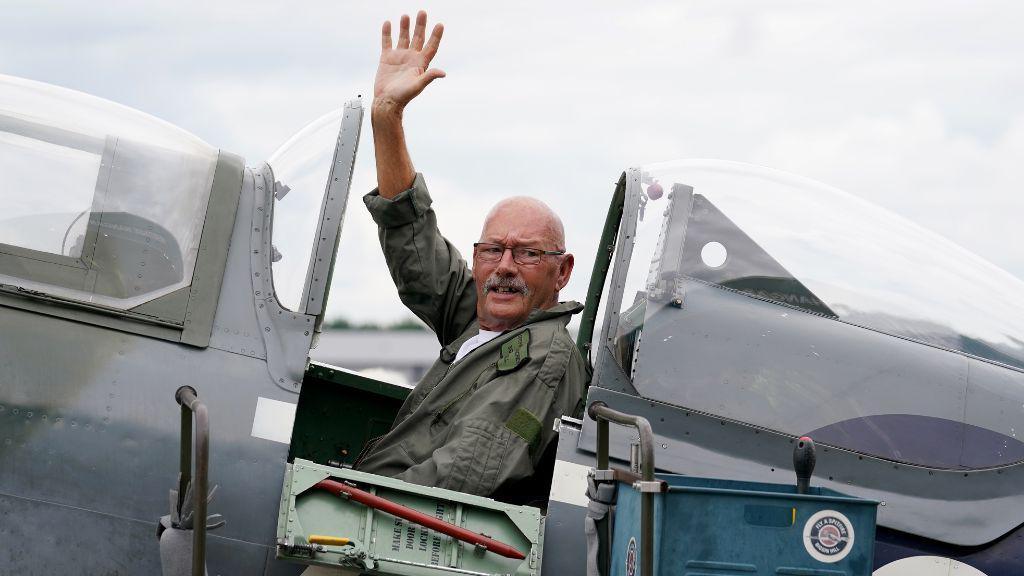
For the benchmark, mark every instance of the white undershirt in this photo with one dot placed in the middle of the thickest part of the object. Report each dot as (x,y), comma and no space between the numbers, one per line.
(475,342)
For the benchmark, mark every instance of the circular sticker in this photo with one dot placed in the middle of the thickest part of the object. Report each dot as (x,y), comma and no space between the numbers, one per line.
(828,536)
(631,557)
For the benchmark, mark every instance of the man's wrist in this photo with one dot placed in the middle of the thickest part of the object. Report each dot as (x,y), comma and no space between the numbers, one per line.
(386,109)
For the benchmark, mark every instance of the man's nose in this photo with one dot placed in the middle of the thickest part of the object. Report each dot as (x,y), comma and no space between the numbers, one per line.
(507,265)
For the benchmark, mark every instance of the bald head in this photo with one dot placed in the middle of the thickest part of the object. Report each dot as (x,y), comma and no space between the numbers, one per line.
(507,290)
(532,215)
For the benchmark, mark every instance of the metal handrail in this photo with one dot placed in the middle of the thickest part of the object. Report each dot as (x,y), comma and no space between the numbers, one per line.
(187,397)
(602,414)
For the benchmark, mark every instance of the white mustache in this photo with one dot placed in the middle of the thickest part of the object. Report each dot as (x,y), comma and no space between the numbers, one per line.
(513,282)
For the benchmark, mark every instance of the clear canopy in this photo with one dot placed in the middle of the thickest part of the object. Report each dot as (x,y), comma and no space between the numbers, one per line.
(303,164)
(797,242)
(101,203)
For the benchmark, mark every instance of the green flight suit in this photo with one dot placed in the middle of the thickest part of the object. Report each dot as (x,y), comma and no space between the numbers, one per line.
(480,425)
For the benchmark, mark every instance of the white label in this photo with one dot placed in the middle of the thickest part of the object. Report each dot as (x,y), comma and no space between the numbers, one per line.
(828,536)
(569,483)
(273,420)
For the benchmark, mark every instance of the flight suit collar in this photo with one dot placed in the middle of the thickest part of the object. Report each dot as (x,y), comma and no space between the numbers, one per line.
(566,309)
(562,309)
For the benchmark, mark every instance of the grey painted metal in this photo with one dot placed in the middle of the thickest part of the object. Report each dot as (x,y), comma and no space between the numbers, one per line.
(88,438)
(565,546)
(965,508)
(236,328)
(623,255)
(332,212)
(213,250)
(89,313)
(800,372)
(671,236)
(608,373)
(60,267)
(168,306)
(784,369)
(188,399)
(287,336)
(89,441)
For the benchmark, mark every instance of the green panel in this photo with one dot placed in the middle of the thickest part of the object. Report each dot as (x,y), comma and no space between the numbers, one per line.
(213,250)
(338,412)
(383,544)
(351,379)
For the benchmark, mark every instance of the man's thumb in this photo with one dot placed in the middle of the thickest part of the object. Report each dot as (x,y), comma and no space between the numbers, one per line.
(433,74)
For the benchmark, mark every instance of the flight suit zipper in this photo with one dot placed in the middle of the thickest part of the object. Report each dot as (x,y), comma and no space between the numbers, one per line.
(440,413)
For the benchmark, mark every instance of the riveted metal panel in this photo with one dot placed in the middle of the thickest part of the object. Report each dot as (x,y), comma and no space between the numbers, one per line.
(213,250)
(332,212)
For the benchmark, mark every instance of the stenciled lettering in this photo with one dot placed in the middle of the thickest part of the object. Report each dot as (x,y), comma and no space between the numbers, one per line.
(435,542)
(396,536)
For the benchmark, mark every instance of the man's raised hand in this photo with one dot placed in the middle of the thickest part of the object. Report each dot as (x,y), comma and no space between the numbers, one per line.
(404,69)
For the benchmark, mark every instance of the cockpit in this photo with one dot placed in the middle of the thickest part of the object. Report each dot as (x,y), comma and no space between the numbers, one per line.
(815,249)
(772,299)
(102,204)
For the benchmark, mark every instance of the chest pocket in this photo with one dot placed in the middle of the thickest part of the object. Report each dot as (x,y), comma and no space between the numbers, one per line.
(513,355)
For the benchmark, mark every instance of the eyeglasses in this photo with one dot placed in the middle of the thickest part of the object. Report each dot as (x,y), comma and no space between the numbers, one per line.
(520,254)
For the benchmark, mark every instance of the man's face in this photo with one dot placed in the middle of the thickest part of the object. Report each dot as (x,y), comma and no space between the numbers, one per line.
(507,291)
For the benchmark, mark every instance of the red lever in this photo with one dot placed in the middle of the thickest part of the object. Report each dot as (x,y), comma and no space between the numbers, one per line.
(446,528)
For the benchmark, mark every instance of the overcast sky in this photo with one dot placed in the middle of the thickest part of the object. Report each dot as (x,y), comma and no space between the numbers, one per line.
(913,105)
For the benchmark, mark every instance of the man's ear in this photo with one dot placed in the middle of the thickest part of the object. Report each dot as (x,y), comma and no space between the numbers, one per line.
(564,271)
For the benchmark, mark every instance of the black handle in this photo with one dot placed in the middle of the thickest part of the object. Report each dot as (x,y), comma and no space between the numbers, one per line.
(803,463)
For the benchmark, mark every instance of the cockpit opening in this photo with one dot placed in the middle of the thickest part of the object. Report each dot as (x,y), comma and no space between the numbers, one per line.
(102,204)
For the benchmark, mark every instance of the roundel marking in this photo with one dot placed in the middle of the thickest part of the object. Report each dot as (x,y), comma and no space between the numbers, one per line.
(631,557)
(828,536)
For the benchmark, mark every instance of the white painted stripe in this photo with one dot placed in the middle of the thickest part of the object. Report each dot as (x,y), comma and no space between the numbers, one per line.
(569,483)
(273,420)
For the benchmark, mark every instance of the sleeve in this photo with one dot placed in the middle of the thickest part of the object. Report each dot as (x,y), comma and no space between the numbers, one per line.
(433,280)
(497,440)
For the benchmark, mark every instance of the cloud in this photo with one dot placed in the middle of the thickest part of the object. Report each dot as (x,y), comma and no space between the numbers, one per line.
(958,185)
(914,105)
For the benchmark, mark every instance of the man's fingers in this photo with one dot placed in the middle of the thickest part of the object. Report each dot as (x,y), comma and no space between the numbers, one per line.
(385,36)
(403,32)
(419,31)
(435,40)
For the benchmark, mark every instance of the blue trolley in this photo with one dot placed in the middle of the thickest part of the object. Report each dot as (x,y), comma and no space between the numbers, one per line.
(669,524)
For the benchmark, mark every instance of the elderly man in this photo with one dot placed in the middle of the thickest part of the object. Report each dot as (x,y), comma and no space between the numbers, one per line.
(481,419)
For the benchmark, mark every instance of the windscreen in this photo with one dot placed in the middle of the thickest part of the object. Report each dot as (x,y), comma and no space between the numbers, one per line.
(815,249)
(100,203)
(302,166)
